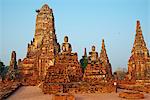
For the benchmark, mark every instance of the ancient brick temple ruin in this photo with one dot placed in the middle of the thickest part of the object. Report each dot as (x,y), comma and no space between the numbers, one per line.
(66,69)
(56,68)
(13,67)
(13,62)
(44,61)
(105,61)
(139,62)
(42,50)
(98,68)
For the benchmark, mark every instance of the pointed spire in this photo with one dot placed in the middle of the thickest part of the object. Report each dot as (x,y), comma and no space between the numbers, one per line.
(138,26)
(45,7)
(139,46)
(103,54)
(139,60)
(103,44)
(85,53)
(104,60)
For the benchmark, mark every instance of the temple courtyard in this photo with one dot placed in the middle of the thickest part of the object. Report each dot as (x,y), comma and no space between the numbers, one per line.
(35,93)
(53,71)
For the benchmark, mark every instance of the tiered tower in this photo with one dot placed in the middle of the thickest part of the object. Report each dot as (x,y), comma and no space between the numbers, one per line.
(98,69)
(104,60)
(43,48)
(66,67)
(44,33)
(65,70)
(139,62)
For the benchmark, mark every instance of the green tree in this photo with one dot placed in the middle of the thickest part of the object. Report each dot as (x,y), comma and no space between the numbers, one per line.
(83,62)
(2,68)
(121,73)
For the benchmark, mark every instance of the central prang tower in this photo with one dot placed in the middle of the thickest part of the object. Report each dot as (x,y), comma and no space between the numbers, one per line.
(42,50)
(44,32)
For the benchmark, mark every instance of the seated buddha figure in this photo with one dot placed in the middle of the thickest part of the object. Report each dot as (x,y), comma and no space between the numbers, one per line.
(93,55)
(66,47)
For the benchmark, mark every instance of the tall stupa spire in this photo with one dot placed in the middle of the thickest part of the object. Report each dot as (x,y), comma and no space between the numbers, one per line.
(43,48)
(44,32)
(139,62)
(104,59)
(103,54)
(85,53)
(139,46)
(44,24)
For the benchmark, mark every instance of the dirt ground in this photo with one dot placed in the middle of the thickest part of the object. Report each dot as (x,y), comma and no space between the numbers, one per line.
(35,93)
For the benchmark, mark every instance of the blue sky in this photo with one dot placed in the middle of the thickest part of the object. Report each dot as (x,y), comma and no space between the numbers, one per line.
(86,22)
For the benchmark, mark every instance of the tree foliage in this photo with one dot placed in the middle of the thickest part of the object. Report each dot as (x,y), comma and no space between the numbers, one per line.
(83,62)
(3,70)
(121,73)
(1,67)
